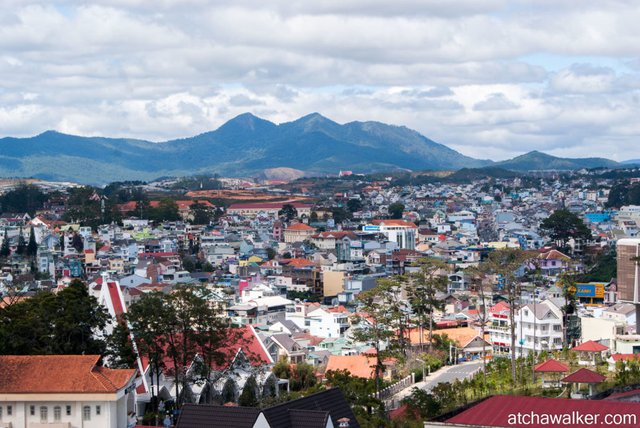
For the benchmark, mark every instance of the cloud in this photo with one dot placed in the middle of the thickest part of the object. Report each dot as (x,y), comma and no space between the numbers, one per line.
(461,73)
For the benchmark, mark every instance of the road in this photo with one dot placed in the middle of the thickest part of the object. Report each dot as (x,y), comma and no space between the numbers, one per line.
(450,374)
(445,374)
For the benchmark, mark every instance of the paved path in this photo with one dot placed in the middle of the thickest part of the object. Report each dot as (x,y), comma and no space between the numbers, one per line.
(445,374)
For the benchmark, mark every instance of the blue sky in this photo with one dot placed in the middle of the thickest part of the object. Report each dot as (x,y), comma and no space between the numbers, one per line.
(491,79)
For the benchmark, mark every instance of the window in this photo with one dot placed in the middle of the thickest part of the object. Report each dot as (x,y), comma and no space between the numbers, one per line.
(57,414)
(98,409)
(32,410)
(68,410)
(86,413)
(9,410)
(44,414)
(0,412)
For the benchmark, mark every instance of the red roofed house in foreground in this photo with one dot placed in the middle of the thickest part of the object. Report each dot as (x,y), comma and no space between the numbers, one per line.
(64,391)
(539,412)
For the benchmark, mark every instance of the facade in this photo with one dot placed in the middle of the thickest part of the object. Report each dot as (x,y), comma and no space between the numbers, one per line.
(298,232)
(539,327)
(269,208)
(64,391)
(401,232)
(628,279)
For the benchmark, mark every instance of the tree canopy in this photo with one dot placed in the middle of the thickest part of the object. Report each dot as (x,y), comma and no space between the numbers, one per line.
(563,225)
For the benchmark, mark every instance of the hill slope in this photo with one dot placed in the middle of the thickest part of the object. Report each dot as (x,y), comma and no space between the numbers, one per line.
(247,145)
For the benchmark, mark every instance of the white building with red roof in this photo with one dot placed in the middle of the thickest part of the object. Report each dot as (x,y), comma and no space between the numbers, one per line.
(64,391)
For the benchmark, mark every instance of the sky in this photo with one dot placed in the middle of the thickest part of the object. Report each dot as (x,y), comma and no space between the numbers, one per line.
(491,79)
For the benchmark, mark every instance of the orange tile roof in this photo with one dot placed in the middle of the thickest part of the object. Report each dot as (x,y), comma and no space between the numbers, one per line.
(461,335)
(300,226)
(21,374)
(393,222)
(358,365)
(298,262)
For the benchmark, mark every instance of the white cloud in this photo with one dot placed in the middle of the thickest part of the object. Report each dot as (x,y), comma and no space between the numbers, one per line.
(455,71)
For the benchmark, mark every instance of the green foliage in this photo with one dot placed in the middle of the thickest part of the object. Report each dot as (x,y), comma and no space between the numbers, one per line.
(22,245)
(624,194)
(395,210)
(62,323)
(25,198)
(5,250)
(564,225)
(177,327)
(302,295)
(288,211)
(32,246)
(339,214)
(301,376)
(360,393)
(249,397)
(354,205)
(120,348)
(603,269)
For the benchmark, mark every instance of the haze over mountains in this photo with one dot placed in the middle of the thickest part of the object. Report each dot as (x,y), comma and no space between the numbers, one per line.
(247,146)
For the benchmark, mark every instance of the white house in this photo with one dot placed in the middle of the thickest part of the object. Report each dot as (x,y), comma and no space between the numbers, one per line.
(64,391)
(539,327)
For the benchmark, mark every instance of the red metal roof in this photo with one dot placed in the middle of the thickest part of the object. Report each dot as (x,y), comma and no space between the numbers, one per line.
(590,346)
(584,376)
(551,366)
(625,357)
(503,411)
(118,308)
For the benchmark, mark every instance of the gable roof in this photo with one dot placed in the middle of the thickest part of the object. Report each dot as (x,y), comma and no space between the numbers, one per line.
(584,376)
(212,416)
(312,411)
(28,374)
(300,226)
(496,411)
(590,346)
(551,366)
(331,401)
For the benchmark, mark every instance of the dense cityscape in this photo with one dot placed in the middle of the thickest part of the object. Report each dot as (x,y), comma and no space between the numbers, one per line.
(414,295)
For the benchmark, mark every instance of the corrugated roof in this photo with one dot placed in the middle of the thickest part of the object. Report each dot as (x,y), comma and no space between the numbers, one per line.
(551,366)
(590,346)
(498,411)
(584,376)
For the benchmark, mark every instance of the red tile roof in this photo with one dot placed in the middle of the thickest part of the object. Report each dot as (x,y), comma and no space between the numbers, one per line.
(625,357)
(300,226)
(394,223)
(59,374)
(551,366)
(590,346)
(267,205)
(584,376)
(499,411)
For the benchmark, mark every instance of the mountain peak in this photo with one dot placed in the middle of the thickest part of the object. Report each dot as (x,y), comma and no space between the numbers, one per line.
(246,121)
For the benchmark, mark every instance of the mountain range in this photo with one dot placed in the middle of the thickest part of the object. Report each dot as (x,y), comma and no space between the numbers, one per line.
(248,146)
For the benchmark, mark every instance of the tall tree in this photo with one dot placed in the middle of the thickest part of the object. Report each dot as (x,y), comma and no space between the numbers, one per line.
(288,211)
(506,264)
(22,245)
(563,225)
(423,290)
(5,250)
(375,326)
(69,322)
(32,246)
(395,210)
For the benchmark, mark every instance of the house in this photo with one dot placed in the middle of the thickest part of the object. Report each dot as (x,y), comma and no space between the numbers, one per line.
(326,409)
(361,365)
(63,391)
(298,232)
(539,327)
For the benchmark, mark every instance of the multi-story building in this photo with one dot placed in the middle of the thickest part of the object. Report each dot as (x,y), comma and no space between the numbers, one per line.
(64,391)
(539,327)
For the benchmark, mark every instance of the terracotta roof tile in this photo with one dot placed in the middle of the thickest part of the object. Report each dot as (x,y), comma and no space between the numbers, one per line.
(59,374)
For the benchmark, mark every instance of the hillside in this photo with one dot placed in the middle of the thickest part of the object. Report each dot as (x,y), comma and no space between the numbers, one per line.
(249,146)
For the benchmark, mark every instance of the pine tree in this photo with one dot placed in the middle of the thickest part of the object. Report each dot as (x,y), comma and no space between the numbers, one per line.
(22,246)
(32,246)
(5,251)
